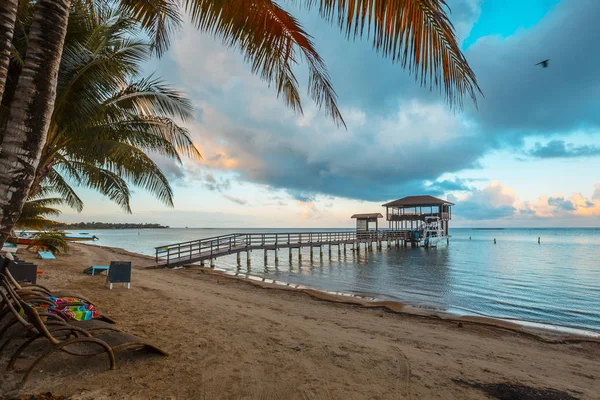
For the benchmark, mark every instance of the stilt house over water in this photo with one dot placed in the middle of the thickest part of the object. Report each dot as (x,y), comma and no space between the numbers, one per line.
(409,213)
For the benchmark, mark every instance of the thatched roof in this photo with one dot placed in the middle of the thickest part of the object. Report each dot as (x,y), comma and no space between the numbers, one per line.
(418,201)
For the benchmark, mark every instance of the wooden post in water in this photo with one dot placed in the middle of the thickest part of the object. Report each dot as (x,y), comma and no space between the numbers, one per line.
(276,257)
(239,259)
(290,255)
(248,257)
(265,256)
(212,262)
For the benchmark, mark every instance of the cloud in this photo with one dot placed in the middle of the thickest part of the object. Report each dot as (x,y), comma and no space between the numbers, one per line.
(559,149)
(495,201)
(499,202)
(219,185)
(449,185)
(171,169)
(561,204)
(401,138)
(236,200)
(522,99)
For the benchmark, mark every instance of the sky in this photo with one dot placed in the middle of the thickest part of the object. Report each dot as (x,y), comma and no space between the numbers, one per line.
(527,156)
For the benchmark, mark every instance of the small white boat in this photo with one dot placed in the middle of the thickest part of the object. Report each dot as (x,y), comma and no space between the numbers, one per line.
(434,234)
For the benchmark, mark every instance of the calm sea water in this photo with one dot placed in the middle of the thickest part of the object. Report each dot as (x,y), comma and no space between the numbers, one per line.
(556,282)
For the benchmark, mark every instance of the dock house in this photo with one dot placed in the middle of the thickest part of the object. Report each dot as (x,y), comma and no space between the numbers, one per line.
(409,213)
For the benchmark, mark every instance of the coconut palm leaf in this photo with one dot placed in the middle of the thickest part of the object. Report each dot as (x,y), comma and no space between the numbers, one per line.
(55,183)
(102,180)
(34,213)
(416,33)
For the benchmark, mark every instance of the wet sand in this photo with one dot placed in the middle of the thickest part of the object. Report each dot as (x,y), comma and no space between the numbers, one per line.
(228,338)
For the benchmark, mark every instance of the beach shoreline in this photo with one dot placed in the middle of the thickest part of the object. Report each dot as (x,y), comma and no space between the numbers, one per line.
(230,337)
(546,331)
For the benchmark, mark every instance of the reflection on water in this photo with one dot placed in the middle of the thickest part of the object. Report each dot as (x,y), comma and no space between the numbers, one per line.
(557,281)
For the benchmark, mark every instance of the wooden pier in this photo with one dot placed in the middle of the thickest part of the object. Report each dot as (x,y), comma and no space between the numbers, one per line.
(202,250)
(406,218)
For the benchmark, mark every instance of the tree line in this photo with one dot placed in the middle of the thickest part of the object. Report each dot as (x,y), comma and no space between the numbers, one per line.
(105,225)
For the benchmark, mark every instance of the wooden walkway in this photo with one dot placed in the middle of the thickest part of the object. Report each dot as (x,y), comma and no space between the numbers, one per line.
(201,250)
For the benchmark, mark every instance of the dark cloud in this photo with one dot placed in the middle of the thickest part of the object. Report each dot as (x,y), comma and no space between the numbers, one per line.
(214,184)
(171,169)
(560,149)
(235,199)
(561,204)
(449,185)
(523,99)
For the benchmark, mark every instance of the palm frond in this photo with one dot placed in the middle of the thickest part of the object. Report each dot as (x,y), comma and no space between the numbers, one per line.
(102,180)
(416,33)
(149,133)
(160,18)
(55,183)
(124,160)
(151,96)
(34,213)
(270,39)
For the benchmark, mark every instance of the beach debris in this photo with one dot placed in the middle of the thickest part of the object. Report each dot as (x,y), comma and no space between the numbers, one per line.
(512,391)
(460,325)
(544,63)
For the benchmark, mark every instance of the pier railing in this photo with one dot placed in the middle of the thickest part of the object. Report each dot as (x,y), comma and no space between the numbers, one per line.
(213,247)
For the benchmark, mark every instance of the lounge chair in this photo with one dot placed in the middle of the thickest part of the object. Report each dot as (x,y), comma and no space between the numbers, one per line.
(64,308)
(46,255)
(37,288)
(99,336)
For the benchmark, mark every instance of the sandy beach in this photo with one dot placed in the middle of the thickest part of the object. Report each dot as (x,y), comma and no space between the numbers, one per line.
(228,338)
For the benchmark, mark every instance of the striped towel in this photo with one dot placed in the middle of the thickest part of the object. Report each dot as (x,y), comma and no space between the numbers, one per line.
(73,308)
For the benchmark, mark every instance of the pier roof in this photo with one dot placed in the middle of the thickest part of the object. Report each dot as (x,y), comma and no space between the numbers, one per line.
(418,201)
(370,216)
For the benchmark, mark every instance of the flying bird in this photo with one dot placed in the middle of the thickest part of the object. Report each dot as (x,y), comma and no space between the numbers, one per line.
(544,63)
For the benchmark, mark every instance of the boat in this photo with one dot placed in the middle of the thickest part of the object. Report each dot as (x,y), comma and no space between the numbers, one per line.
(434,234)
(80,237)
(28,238)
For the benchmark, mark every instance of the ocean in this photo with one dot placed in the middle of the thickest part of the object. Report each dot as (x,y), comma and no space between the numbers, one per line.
(555,283)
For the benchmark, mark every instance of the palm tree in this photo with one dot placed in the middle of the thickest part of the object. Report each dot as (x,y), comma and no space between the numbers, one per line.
(416,33)
(107,120)
(8,17)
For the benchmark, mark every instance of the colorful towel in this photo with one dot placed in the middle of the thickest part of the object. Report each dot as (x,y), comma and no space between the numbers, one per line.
(73,308)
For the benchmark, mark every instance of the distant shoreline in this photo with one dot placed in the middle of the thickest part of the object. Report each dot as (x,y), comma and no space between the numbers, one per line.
(107,225)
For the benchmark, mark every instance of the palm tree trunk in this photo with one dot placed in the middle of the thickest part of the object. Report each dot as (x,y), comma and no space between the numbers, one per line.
(8,16)
(31,109)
